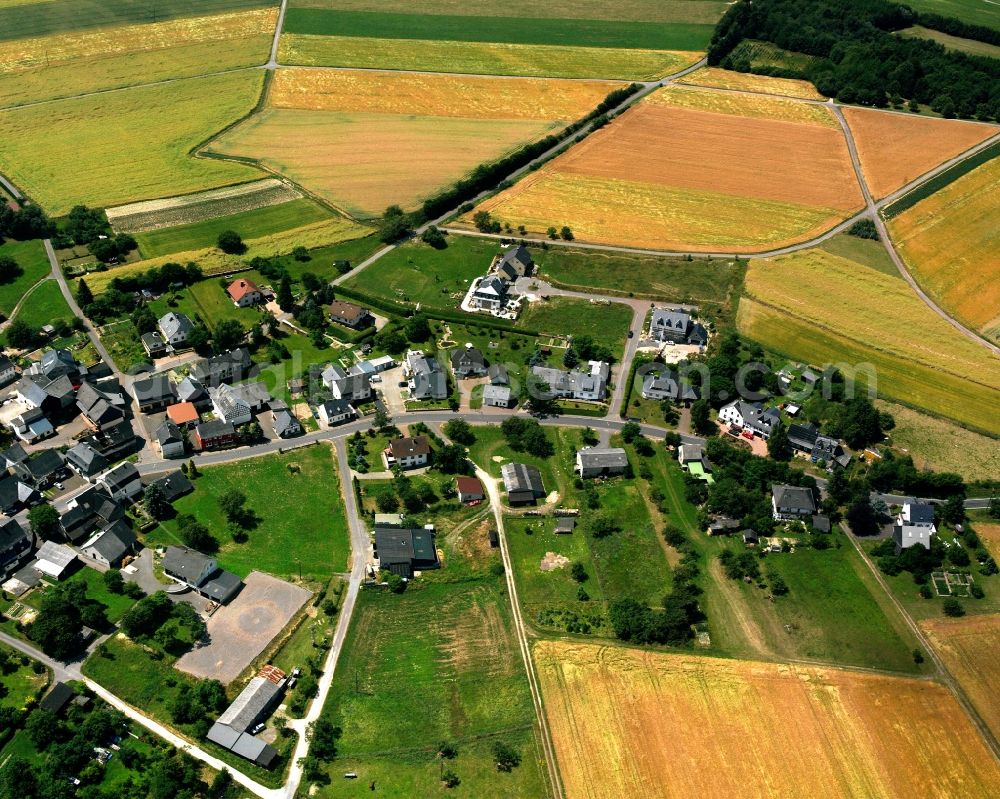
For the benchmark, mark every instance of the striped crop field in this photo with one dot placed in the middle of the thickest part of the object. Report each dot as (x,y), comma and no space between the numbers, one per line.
(127,145)
(747,82)
(366,140)
(629,722)
(820,308)
(951,242)
(690,169)
(92,59)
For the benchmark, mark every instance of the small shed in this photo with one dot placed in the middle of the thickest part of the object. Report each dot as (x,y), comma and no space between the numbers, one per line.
(565,525)
(494,538)
(57,699)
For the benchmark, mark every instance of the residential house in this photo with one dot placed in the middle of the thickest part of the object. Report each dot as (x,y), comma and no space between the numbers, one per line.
(498,375)
(229,405)
(914,525)
(114,442)
(169,440)
(50,395)
(100,410)
(589,384)
(30,393)
(109,547)
(792,502)
(665,386)
(55,701)
(32,426)
(215,435)
(202,573)
(175,328)
(12,456)
(191,390)
(42,468)
(8,370)
(91,510)
(751,417)
(250,708)
(254,394)
(803,437)
(244,293)
(154,393)
(830,452)
(723,525)
(16,495)
(153,344)
(469,489)
(601,461)
(522,483)
(405,551)
(224,368)
(183,414)
(15,547)
(57,363)
(351,385)
(122,483)
(54,560)
(335,412)
(468,361)
(283,421)
(675,325)
(350,315)
(513,263)
(173,486)
(407,453)
(426,379)
(497,396)
(86,461)
(490,294)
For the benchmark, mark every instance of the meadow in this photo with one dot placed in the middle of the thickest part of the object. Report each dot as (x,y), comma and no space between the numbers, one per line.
(436,663)
(364,140)
(296,498)
(68,64)
(607,325)
(44,305)
(55,16)
(209,302)
(30,256)
(968,647)
(863,251)
(895,149)
(94,156)
(968,46)
(645,34)
(974,12)
(255,224)
(943,446)
(483,58)
(19,684)
(743,173)
(819,308)
(650,724)
(748,82)
(950,241)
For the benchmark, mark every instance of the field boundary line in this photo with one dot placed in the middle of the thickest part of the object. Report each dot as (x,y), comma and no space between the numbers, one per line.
(20,302)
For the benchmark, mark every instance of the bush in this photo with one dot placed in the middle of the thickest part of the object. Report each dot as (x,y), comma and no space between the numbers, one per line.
(952,607)
(507,758)
(230,242)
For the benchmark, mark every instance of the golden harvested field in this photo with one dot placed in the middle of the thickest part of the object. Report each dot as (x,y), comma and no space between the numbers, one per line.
(748,82)
(896,149)
(126,145)
(366,140)
(483,58)
(944,446)
(215,262)
(990,535)
(743,105)
(68,64)
(436,95)
(676,178)
(652,725)
(820,308)
(951,242)
(969,647)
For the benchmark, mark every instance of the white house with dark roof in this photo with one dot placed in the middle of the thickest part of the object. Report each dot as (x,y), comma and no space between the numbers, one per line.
(122,483)
(175,328)
(914,525)
(751,416)
(170,440)
(85,460)
(352,384)
(334,412)
(468,361)
(426,378)
(601,461)
(666,386)
(407,453)
(585,383)
(109,547)
(8,370)
(792,502)
(490,293)
(230,406)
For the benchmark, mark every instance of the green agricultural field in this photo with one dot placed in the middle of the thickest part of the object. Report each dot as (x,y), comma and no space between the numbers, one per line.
(19,20)
(968,46)
(862,251)
(436,663)
(30,256)
(18,681)
(975,12)
(249,224)
(513,30)
(562,316)
(675,279)
(301,529)
(126,145)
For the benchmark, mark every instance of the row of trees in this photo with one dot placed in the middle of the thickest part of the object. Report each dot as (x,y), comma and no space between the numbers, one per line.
(857,57)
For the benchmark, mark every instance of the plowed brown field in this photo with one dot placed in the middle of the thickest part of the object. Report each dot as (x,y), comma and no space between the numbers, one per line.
(969,647)
(655,726)
(895,149)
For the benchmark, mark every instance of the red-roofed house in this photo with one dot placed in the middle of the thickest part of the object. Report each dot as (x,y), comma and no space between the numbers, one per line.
(469,489)
(183,414)
(244,293)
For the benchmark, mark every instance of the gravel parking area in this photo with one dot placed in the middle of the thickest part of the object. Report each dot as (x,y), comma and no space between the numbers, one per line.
(240,631)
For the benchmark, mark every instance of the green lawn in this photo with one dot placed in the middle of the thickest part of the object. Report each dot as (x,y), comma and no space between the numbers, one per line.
(117,604)
(438,662)
(123,344)
(563,316)
(209,301)
(512,30)
(490,451)
(416,272)
(30,256)
(701,281)
(249,224)
(863,251)
(302,528)
(302,354)
(18,682)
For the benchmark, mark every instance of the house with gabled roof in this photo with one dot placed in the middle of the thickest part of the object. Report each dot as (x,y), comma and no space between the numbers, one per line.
(202,573)
(42,468)
(244,293)
(100,410)
(85,460)
(175,328)
(601,461)
(523,483)
(122,482)
(792,502)
(468,361)
(16,495)
(223,368)
(666,386)
(914,525)
(110,546)
(154,393)
(514,262)
(15,547)
(491,293)
(407,453)
(169,439)
(404,551)
(350,315)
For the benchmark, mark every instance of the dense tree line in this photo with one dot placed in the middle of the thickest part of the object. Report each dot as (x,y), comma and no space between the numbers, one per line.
(28,222)
(119,300)
(858,59)
(955,27)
